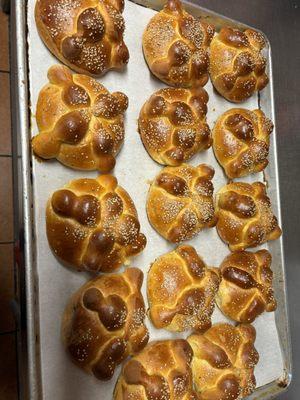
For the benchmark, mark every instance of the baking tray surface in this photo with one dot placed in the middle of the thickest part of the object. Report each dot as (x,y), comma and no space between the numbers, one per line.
(60,379)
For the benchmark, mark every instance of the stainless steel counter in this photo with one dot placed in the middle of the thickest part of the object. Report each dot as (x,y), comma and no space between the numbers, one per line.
(280,21)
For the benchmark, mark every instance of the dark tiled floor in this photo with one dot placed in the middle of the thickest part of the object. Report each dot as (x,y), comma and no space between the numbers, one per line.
(4,57)
(5,142)
(8,356)
(6,209)
(8,367)
(7,323)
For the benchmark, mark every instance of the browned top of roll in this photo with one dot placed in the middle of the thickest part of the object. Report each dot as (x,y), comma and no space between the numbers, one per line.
(160,371)
(175,46)
(246,287)
(80,123)
(103,322)
(241,141)
(245,217)
(86,35)
(224,361)
(180,201)
(92,224)
(172,125)
(181,290)
(237,66)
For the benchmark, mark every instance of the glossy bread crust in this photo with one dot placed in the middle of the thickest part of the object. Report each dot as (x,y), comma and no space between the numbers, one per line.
(244,215)
(175,46)
(237,66)
(172,125)
(246,289)
(160,371)
(85,35)
(181,291)
(241,141)
(224,361)
(92,225)
(103,322)
(180,201)
(80,123)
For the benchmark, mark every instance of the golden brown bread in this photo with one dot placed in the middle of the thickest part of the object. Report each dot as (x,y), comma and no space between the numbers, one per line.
(161,371)
(80,123)
(172,125)
(175,46)
(246,288)
(92,224)
(180,201)
(181,290)
(103,322)
(241,141)
(237,66)
(244,214)
(86,35)
(224,361)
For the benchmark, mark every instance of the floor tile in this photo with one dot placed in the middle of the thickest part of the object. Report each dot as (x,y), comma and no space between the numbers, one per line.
(8,367)
(6,209)
(5,135)
(7,322)
(4,50)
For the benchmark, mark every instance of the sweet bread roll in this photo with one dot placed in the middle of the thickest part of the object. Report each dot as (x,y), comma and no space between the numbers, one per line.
(244,215)
(92,225)
(103,322)
(241,141)
(86,35)
(224,361)
(237,66)
(159,372)
(172,125)
(181,291)
(180,201)
(246,287)
(80,123)
(175,46)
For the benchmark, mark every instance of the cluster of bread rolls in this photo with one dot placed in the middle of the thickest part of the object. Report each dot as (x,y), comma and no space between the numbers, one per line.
(175,46)
(220,362)
(224,361)
(181,291)
(180,201)
(246,288)
(86,35)
(241,140)
(92,224)
(80,123)
(237,66)
(172,125)
(104,322)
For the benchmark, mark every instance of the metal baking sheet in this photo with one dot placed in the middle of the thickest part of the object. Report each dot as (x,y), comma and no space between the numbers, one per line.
(49,285)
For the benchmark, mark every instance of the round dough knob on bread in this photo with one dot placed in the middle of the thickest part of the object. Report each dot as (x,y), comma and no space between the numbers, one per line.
(175,46)
(241,141)
(172,125)
(237,66)
(86,35)
(181,291)
(244,215)
(246,289)
(92,225)
(180,201)
(103,322)
(160,371)
(80,123)
(224,361)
